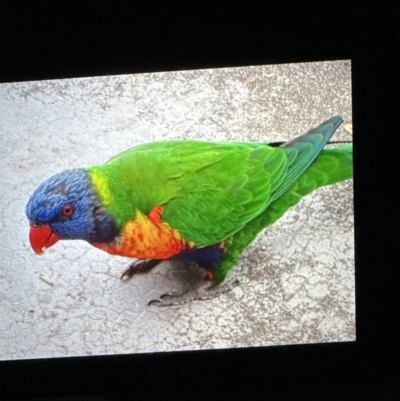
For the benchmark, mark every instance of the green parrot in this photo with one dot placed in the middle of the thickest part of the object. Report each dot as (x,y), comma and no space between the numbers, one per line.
(199,202)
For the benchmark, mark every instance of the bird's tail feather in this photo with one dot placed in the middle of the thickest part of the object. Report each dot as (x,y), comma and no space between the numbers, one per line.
(331,166)
(302,151)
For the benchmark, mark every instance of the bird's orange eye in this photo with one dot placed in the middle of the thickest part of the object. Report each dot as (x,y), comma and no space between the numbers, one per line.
(67,210)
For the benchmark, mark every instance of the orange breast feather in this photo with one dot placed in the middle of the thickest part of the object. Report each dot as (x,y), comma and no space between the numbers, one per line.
(146,237)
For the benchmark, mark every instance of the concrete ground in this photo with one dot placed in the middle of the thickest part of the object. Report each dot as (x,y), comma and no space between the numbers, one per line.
(296,280)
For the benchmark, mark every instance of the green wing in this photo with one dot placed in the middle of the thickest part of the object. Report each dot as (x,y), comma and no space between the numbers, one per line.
(209,190)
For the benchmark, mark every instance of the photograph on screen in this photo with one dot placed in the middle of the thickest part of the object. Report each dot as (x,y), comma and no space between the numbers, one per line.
(177,211)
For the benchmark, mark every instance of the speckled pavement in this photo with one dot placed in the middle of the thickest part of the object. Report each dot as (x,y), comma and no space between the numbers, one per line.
(296,280)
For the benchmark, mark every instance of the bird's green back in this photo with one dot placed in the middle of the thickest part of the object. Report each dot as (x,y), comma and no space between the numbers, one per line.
(208,190)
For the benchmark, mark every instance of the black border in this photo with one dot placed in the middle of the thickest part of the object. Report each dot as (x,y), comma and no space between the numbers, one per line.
(62,40)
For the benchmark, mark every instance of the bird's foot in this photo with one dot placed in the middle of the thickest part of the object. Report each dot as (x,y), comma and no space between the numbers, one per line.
(190,294)
(140,267)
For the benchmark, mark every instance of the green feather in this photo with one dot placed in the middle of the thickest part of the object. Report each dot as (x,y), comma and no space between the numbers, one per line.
(331,166)
(215,191)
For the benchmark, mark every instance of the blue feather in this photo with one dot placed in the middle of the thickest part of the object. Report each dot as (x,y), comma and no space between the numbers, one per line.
(208,256)
(89,221)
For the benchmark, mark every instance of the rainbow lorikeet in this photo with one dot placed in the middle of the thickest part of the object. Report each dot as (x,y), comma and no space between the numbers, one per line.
(200,202)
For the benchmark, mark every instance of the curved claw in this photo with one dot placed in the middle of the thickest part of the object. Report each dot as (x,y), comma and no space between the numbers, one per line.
(164,302)
(157,302)
(166,295)
(140,267)
(129,272)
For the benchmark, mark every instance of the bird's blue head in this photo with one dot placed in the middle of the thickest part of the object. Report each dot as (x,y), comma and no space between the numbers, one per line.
(65,206)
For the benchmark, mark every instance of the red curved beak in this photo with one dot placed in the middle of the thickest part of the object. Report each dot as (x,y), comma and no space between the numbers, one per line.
(41,238)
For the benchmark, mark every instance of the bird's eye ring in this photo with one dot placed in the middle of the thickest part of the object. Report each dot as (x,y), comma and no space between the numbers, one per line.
(68,210)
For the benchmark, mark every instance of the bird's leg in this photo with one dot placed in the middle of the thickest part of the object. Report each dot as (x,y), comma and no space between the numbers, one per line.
(140,267)
(202,292)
